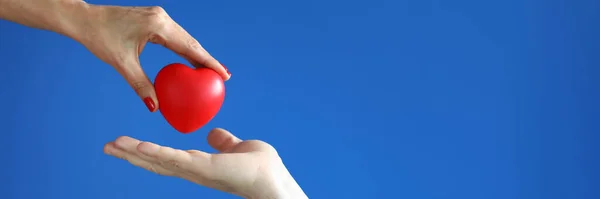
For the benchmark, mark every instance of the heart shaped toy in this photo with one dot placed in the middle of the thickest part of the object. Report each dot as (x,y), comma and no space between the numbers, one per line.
(188,98)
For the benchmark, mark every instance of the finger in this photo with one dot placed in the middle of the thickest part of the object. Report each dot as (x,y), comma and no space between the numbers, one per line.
(182,43)
(127,144)
(222,140)
(111,149)
(168,157)
(130,145)
(137,79)
(192,165)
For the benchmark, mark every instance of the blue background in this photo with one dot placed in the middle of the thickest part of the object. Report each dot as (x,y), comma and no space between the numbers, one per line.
(381,99)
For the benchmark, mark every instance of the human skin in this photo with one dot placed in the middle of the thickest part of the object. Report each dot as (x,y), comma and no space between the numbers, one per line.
(250,169)
(117,35)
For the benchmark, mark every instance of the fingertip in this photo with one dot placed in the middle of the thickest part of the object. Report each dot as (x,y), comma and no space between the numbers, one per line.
(120,141)
(108,148)
(218,67)
(111,149)
(216,132)
(214,65)
(141,84)
(221,139)
(151,104)
(226,75)
(125,142)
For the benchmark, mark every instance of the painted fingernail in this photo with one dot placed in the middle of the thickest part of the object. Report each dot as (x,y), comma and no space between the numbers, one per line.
(228,73)
(149,103)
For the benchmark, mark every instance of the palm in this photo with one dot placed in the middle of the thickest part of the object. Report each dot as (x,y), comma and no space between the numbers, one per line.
(239,167)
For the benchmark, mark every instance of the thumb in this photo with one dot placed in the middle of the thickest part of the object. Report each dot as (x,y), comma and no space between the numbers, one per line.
(222,140)
(137,79)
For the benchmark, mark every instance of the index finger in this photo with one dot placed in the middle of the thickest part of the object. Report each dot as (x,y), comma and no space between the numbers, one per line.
(181,42)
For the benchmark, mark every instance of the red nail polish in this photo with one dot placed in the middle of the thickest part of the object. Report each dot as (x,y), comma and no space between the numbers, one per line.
(228,73)
(149,103)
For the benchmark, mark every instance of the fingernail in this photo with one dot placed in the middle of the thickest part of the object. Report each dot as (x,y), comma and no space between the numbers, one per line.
(228,73)
(149,103)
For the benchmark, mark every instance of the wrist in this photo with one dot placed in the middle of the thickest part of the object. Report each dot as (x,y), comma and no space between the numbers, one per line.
(74,18)
(291,189)
(285,192)
(281,186)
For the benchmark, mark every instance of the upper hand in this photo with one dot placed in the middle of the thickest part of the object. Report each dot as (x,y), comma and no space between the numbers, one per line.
(251,169)
(117,35)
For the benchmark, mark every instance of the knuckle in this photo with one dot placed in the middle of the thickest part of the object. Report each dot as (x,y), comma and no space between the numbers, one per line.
(158,25)
(227,142)
(263,146)
(164,151)
(157,18)
(193,44)
(157,10)
(139,86)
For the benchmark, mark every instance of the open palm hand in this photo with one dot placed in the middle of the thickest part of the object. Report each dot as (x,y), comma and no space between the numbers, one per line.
(250,169)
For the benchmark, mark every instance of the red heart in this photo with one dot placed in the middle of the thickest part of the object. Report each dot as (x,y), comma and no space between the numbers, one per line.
(188,98)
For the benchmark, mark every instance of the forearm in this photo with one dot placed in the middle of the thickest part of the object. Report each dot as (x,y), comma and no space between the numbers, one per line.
(60,16)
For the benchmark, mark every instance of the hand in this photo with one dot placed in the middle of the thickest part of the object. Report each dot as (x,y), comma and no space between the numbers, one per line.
(117,35)
(250,169)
